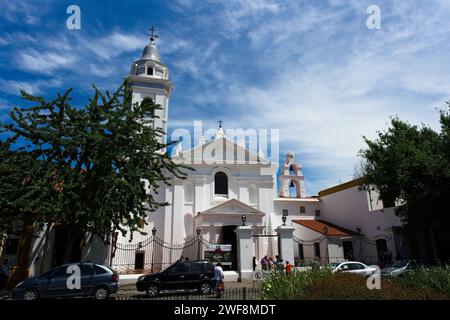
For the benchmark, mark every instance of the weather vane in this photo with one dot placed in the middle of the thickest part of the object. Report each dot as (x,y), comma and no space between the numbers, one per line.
(220,123)
(153,34)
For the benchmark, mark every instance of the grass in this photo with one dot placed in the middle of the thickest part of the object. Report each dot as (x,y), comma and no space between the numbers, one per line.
(322,284)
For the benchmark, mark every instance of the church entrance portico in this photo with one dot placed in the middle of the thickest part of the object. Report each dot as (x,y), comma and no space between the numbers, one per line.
(218,226)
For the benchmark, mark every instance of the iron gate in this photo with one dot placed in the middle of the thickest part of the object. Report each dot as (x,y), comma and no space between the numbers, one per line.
(154,254)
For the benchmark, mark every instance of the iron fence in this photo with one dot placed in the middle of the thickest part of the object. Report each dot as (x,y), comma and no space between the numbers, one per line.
(154,254)
(227,294)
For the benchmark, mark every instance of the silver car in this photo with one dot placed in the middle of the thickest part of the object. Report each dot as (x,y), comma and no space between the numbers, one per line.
(400,268)
(353,267)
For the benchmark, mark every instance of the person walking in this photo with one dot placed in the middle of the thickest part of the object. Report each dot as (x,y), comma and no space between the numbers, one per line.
(5,273)
(218,278)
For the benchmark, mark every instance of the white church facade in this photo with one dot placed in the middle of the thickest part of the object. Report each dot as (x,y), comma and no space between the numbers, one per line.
(232,189)
(239,205)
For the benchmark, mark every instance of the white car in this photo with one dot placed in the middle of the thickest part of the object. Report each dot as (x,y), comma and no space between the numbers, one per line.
(355,267)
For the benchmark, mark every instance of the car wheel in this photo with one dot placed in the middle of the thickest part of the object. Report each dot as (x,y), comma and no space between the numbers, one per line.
(205,288)
(152,290)
(101,293)
(30,294)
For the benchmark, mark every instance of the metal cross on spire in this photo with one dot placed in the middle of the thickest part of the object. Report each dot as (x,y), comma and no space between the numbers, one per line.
(153,34)
(220,123)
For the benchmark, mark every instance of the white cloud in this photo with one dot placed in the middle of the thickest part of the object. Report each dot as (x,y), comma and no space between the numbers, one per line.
(43,62)
(13,87)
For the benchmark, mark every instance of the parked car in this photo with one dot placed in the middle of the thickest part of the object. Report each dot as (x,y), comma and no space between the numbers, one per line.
(184,275)
(401,268)
(96,280)
(354,267)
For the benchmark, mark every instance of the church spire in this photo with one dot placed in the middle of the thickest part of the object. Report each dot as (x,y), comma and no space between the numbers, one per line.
(151,51)
(220,133)
(153,35)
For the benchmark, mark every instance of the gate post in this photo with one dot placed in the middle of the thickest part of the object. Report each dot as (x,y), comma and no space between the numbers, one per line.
(286,243)
(245,254)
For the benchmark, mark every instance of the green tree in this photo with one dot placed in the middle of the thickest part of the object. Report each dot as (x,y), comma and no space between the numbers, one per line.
(97,169)
(411,165)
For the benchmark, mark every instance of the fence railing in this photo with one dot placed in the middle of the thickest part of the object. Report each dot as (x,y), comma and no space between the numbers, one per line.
(227,294)
(154,254)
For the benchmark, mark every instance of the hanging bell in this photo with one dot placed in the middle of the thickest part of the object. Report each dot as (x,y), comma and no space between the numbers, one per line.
(291,185)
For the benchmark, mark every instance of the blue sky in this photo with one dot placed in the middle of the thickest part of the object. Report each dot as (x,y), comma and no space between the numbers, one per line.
(309,68)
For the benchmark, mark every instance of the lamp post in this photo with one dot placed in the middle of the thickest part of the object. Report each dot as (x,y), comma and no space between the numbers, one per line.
(199,231)
(358,230)
(325,232)
(244,219)
(284,218)
(153,250)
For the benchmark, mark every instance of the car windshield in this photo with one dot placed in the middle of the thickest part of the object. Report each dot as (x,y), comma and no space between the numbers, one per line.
(334,264)
(400,264)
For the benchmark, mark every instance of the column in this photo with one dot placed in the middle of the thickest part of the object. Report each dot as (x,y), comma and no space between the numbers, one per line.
(286,244)
(245,252)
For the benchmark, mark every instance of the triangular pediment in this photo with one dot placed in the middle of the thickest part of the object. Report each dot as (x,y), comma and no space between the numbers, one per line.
(232,207)
(219,151)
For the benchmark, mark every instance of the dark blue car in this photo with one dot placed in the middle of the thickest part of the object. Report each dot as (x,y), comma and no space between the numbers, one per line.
(70,280)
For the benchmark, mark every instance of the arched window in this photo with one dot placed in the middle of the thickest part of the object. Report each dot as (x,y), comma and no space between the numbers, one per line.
(221,184)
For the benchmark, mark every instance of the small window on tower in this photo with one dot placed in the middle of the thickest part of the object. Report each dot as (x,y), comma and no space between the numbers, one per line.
(285,211)
(317,213)
(140,70)
(302,209)
(150,71)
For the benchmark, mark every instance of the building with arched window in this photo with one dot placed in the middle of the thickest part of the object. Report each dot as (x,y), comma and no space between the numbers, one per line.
(235,199)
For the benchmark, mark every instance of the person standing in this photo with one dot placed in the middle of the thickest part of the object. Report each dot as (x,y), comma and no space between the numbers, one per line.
(5,272)
(288,267)
(218,278)
(264,263)
(279,263)
(254,263)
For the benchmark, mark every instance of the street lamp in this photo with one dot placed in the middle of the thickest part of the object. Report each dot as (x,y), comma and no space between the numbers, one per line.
(243,218)
(284,218)
(199,231)
(153,250)
(325,232)
(358,230)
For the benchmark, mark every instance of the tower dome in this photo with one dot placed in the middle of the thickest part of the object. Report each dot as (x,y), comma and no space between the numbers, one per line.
(151,52)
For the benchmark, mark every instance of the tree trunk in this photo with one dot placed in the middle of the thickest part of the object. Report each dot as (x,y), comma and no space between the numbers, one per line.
(44,251)
(73,245)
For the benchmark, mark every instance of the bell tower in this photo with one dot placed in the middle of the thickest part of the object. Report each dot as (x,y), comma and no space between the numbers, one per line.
(149,79)
(291,178)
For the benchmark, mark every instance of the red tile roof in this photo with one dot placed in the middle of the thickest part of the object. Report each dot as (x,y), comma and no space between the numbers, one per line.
(319,225)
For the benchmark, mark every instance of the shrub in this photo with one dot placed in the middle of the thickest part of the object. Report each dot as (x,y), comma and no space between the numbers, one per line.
(322,284)
(281,286)
(436,279)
